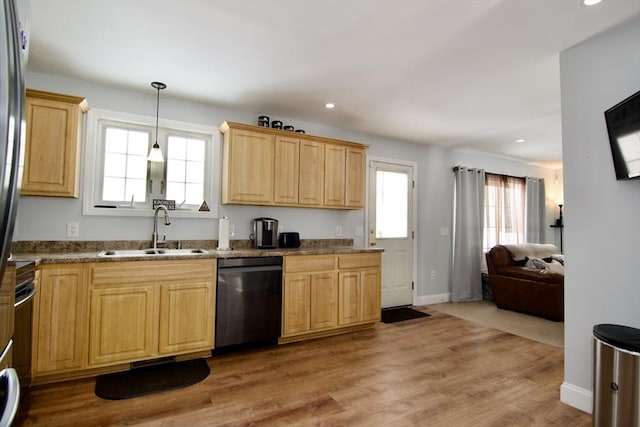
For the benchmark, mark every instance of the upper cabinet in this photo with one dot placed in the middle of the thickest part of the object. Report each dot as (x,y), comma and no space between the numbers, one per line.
(52,151)
(264,166)
(247,167)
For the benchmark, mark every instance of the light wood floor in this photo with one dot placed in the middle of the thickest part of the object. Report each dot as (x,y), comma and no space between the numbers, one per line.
(434,371)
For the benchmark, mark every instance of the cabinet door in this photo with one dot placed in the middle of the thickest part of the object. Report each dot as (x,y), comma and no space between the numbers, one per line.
(296,304)
(122,324)
(371,297)
(311,192)
(186,317)
(355,177)
(61,320)
(287,160)
(334,175)
(324,301)
(350,303)
(248,167)
(52,152)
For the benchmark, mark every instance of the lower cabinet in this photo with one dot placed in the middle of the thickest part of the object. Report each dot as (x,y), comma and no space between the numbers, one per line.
(148,309)
(310,294)
(324,293)
(60,315)
(90,316)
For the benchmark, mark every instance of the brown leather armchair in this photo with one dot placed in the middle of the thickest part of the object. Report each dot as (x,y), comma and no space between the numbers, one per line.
(516,287)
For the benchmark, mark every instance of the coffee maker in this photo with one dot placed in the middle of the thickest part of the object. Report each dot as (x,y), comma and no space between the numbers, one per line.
(265,233)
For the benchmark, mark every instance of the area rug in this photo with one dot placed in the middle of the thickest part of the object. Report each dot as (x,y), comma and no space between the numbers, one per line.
(398,314)
(151,379)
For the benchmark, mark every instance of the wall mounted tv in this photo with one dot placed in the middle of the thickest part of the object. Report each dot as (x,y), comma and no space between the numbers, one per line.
(623,125)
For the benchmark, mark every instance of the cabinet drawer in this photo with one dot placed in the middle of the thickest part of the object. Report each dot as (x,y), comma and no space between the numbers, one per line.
(297,264)
(359,260)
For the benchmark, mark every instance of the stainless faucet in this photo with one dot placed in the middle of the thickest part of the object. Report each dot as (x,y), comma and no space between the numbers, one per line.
(154,236)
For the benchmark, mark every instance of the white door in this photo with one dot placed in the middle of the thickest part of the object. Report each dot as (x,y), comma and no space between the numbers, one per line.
(391,227)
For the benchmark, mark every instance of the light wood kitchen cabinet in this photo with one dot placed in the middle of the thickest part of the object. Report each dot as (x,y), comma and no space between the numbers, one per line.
(263,166)
(61,319)
(186,317)
(287,169)
(52,150)
(359,288)
(299,172)
(324,294)
(148,309)
(310,294)
(311,191)
(334,175)
(247,167)
(122,324)
(345,177)
(355,177)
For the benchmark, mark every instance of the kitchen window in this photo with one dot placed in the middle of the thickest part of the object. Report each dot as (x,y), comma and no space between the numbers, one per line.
(119,181)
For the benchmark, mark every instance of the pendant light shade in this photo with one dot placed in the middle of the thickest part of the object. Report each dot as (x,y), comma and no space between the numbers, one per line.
(155,155)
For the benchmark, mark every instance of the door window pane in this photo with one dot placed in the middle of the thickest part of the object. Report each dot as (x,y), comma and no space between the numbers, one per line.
(391,205)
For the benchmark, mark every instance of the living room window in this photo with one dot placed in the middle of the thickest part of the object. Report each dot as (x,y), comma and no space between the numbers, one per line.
(121,182)
(504,210)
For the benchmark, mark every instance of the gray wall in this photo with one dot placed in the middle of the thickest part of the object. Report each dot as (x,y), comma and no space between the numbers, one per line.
(43,218)
(602,228)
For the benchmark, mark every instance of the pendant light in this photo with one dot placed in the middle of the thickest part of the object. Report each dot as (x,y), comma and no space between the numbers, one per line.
(155,155)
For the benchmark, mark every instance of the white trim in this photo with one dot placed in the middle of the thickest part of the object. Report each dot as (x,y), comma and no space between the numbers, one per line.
(89,164)
(577,397)
(414,214)
(432,299)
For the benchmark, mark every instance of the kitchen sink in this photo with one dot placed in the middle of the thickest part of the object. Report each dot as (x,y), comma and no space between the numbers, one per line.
(150,252)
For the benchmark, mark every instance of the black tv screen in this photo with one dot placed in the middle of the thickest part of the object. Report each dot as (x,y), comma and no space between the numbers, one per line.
(623,125)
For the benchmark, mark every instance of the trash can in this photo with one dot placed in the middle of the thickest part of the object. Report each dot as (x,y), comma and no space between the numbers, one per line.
(616,376)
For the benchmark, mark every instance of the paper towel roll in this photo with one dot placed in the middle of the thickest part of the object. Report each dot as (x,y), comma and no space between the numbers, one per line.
(223,234)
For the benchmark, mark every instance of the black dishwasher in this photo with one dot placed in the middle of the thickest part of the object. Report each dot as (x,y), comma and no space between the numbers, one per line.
(248,301)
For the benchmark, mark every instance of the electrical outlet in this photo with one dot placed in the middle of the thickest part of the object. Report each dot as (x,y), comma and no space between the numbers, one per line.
(232,230)
(359,231)
(433,275)
(338,231)
(73,229)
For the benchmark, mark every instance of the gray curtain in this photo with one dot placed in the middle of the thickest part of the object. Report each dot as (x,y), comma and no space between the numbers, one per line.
(535,210)
(466,274)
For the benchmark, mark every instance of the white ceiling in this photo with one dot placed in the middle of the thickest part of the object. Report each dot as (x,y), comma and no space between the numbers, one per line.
(469,74)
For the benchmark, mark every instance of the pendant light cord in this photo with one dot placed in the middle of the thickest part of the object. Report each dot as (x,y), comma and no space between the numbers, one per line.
(159,86)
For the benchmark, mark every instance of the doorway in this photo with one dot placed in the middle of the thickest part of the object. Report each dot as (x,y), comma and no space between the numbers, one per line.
(390,226)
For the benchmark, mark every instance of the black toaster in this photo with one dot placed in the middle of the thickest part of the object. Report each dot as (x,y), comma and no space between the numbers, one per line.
(289,239)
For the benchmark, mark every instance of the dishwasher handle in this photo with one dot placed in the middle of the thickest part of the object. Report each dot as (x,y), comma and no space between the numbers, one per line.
(225,263)
(261,268)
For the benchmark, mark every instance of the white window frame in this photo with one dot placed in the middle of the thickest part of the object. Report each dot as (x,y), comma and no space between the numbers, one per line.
(93,165)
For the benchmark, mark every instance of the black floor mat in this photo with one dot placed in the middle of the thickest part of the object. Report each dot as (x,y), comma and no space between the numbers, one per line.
(398,314)
(151,379)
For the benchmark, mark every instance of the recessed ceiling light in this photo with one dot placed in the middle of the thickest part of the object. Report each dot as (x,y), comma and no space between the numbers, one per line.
(520,140)
(329,105)
(590,2)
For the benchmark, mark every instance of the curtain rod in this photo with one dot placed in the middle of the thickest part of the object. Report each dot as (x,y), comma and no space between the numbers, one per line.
(455,168)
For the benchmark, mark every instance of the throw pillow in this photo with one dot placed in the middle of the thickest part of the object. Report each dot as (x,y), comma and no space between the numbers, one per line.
(536,263)
(555,267)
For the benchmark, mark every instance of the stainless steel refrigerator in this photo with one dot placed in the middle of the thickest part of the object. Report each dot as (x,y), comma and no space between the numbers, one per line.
(13,54)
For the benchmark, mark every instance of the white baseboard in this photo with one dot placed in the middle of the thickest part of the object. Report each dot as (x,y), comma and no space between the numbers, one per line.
(577,397)
(432,299)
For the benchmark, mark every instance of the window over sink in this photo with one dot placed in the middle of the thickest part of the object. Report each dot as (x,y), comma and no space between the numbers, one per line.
(119,181)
